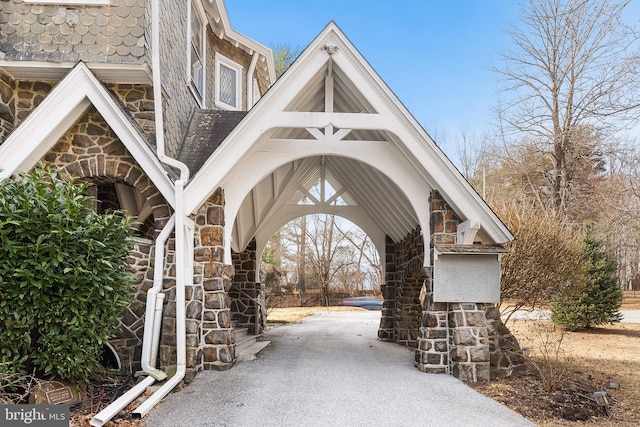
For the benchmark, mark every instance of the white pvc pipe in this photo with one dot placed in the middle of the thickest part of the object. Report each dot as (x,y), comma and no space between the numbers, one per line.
(180,247)
(180,251)
(181,331)
(152,322)
(157,321)
(119,404)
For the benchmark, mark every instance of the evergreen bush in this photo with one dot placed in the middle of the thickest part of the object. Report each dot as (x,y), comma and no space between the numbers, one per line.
(64,279)
(599,301)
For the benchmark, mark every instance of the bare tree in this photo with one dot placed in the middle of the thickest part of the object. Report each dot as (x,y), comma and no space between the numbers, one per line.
(325,252)
(574,67)
(367,267)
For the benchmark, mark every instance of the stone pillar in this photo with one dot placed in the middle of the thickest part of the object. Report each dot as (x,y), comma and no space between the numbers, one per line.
(386,331)
(216,339)
(245,293)
(432,351)
(432,347)
(468,342)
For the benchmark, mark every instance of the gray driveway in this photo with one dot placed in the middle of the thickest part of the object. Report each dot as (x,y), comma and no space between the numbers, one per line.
(329,370)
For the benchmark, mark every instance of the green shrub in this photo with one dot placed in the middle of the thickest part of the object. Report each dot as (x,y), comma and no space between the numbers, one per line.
(64,279)
(599,302)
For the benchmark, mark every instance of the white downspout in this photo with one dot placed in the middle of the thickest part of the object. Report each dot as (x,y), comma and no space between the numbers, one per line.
(152,334)
(250,71)
(181,247)
(154,305)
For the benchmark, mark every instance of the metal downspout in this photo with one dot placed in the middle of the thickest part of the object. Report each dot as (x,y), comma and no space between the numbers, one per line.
(152,334)
(250,71)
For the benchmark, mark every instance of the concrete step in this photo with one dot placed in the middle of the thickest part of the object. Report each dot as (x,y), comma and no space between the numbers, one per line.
(253,351)
(239,333)
(245,341)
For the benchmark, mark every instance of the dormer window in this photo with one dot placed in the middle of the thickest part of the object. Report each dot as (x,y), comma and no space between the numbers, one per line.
(197,52)
(228,83)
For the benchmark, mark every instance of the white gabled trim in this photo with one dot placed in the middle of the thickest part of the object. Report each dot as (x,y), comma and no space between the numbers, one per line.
(68,100)
(419,150)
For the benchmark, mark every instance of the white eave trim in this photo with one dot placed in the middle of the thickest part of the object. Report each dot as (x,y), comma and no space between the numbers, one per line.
(68,100)
(54,72)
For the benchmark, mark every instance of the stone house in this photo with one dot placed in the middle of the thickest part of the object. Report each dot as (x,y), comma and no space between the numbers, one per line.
(178,119)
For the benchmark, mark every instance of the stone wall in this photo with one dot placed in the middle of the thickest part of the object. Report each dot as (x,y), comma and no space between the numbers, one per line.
(17,100)
(404,279)
(246,290)
(468,342)
(387,331)
(453,337)
(91,152)
(506,358)
(216,341)
(7,105)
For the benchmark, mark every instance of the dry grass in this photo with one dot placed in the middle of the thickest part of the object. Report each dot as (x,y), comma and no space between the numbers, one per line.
(631,300)
(605,353)
(295,314)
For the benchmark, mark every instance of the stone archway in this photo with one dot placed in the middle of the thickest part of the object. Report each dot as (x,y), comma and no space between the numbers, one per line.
(90,151)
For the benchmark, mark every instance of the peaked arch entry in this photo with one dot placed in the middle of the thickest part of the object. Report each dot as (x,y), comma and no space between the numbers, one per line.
(330,116)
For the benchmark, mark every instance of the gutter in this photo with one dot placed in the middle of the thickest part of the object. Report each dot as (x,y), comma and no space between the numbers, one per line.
(153,314)
(250,72)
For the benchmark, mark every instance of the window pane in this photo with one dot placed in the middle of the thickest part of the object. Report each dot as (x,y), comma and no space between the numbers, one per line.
(228,82)
(197,72)
(196,31)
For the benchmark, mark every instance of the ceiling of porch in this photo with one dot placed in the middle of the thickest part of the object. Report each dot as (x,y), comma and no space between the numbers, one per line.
(333,184)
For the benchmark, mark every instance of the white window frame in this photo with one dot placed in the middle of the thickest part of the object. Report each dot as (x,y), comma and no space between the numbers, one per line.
(223,60)
(198,90)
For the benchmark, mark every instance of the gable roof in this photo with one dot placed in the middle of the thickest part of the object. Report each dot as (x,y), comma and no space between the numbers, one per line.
(62,107)
(330,114)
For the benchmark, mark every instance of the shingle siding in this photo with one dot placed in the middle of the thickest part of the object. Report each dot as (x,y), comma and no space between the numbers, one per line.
(59,33)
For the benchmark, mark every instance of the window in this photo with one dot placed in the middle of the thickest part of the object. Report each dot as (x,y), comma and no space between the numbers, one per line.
(228,83)
(197,46)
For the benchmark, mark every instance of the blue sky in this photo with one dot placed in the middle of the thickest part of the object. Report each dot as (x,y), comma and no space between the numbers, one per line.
(434,55)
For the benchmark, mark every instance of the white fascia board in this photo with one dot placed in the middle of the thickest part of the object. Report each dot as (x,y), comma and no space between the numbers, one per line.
(125,73)
(30,141)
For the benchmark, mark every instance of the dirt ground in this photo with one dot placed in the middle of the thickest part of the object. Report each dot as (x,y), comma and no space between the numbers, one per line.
(589,358)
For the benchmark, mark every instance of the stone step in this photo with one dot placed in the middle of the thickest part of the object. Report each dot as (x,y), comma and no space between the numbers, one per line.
(239,333)
(245,341)
(253,351)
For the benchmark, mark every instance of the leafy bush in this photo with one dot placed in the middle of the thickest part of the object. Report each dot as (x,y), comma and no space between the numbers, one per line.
(599,301)
(64,279)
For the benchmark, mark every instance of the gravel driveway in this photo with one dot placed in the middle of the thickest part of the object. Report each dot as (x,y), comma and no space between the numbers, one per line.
(330,370)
